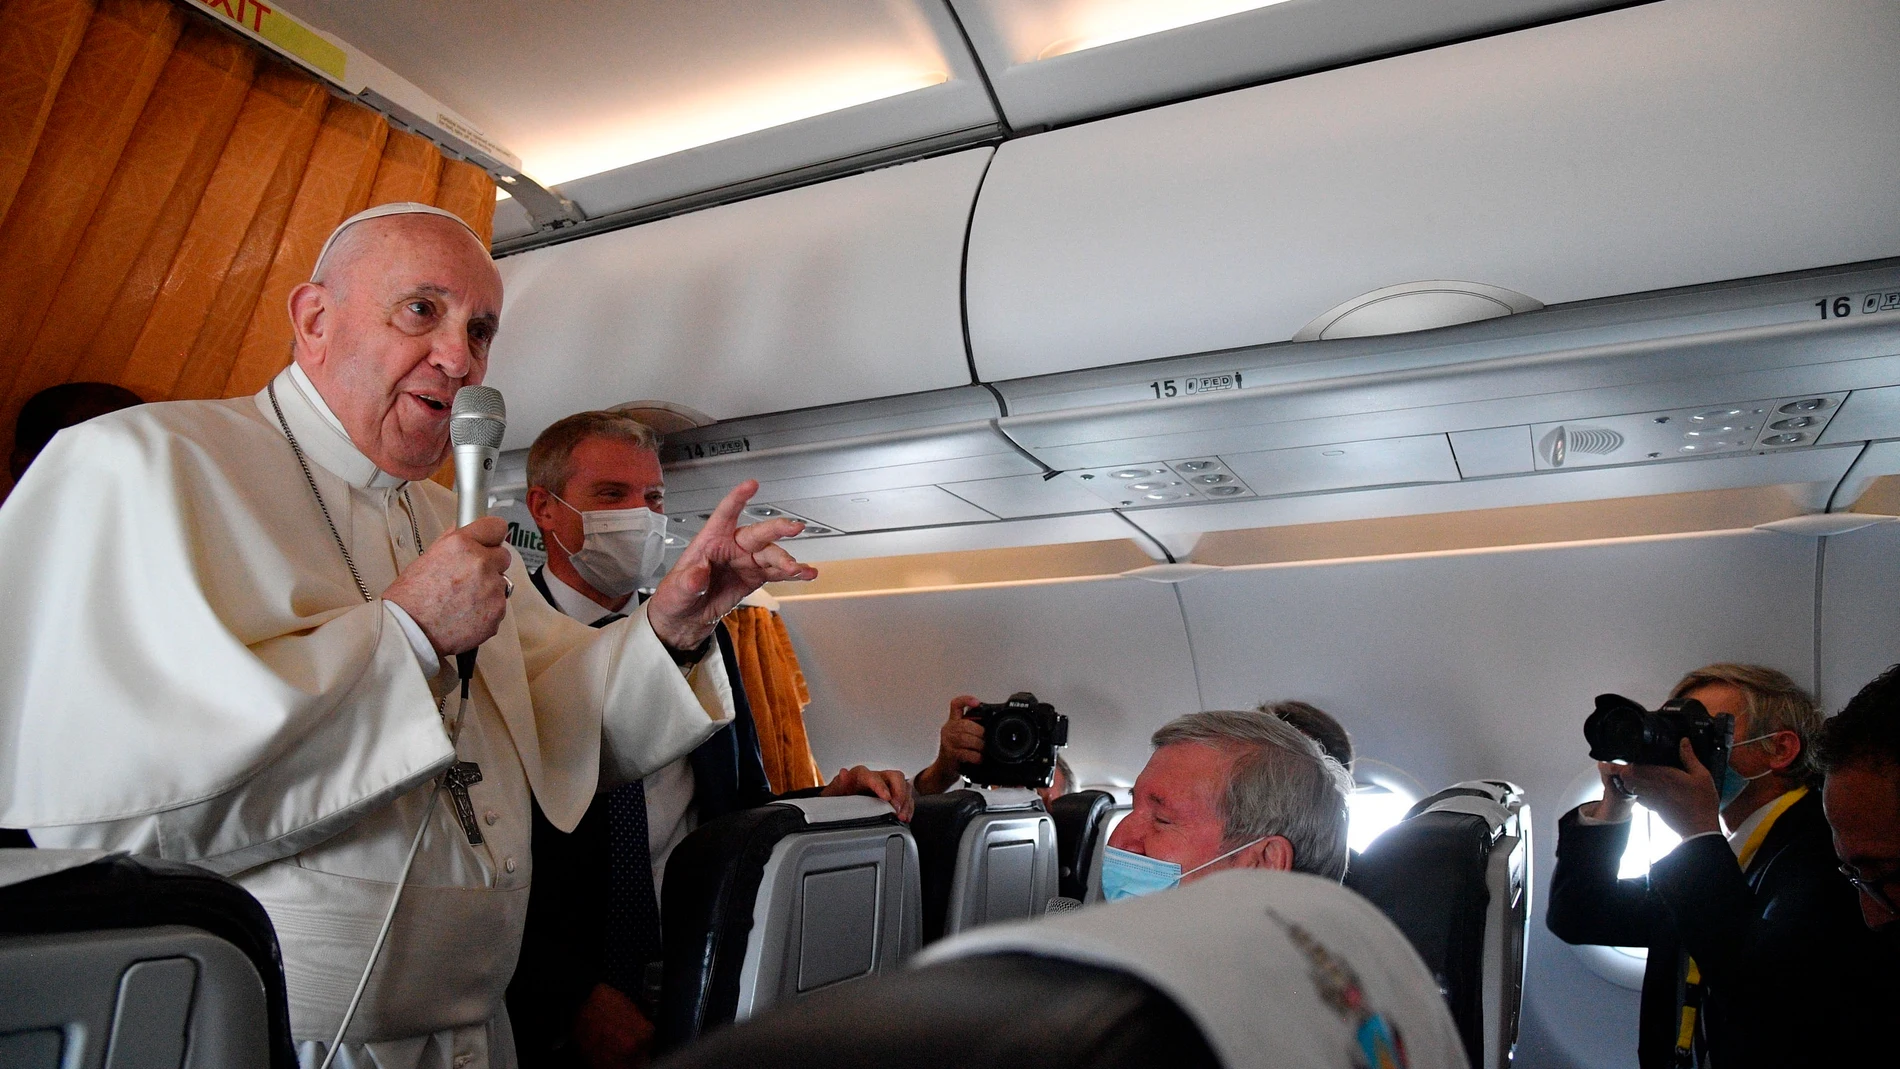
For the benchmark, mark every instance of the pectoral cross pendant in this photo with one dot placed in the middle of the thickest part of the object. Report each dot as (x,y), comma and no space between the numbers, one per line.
(458,778)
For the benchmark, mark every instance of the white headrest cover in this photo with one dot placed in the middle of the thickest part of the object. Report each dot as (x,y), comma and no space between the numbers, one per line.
(996,799)
(1224,949)
(838,810)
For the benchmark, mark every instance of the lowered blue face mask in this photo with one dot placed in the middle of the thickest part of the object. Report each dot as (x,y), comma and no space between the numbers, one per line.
(1126,874)
(1733,782)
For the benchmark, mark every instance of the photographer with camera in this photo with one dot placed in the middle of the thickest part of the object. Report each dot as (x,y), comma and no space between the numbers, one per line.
(961,741)
(1753,948)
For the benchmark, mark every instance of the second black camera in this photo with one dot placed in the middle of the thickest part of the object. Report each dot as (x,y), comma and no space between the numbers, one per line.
(1020,739)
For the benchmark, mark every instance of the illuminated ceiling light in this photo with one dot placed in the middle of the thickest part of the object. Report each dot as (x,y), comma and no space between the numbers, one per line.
(759,108)
(1106,23)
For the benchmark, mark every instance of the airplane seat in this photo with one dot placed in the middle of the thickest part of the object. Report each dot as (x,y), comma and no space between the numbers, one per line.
(1454,875)
(112,960)
(770,904)
(1092,885)
(1080,818)
(1005,1011)
(987,853)
(1244,969)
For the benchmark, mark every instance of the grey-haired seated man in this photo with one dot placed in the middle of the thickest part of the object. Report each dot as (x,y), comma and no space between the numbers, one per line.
(1229,789)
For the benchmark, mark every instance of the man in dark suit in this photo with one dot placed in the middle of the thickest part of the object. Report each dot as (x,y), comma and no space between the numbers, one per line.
(579,995)
(1756,952)
(1860,749)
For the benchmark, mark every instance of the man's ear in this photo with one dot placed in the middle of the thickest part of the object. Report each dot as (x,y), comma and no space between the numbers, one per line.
(541,506)
(309,319)
(1274,852)
(1784,748)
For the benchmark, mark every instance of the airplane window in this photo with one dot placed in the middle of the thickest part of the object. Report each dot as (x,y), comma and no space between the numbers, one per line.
(1372,808)
(1650,839)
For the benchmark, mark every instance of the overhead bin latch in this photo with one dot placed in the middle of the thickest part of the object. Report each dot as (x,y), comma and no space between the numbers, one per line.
(1412,306)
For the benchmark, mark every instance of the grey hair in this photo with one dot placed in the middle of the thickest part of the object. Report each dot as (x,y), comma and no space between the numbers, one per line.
(1774,703)
(1282,784)
(1068,774)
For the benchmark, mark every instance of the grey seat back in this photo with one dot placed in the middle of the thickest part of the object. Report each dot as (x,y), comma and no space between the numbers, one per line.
(114,962)
(988,854)
(1455,876)
(767,905)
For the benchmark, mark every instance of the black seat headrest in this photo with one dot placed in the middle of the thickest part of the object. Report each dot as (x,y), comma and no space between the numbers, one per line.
(706,905)
(938,823)
(1009,1011)
(120,891)
(1428,873)
(1079,818)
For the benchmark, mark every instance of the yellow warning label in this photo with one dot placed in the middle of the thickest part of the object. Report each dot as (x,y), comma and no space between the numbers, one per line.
(289,35)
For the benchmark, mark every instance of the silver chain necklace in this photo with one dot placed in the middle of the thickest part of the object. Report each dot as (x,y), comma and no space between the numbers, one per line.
(348,561)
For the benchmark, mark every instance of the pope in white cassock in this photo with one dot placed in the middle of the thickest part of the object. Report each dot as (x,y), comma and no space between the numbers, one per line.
(226,644)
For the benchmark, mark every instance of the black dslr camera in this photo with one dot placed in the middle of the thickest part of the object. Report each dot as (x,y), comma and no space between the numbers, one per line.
(1621,730)
(1020,739)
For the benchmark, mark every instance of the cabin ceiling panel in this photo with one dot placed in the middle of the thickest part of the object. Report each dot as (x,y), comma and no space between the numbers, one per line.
(654,100)
(830,293)
(1867,415)
(1594,382)
(1058,61)
(1665,144)
(876,510)
(1002,534)
(1808,476)
(883,667)
(1424,458)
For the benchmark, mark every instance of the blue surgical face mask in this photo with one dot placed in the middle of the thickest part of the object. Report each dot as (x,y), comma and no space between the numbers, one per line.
(1126,874)
(1733,782)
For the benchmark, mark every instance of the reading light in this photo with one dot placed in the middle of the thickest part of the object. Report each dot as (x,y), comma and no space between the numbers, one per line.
(1109,21)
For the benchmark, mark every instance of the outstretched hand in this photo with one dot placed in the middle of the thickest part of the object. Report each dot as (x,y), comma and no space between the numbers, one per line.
(723,564)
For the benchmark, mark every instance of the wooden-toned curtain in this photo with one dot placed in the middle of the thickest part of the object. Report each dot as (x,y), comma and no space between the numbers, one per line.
(776,689)
(164,184)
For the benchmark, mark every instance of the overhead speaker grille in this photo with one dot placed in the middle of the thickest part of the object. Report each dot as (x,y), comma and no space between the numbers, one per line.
(1590,441)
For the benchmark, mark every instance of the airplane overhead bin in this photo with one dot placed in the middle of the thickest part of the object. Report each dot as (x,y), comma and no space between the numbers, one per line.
(1553,212)
(840,291)
(1661,145)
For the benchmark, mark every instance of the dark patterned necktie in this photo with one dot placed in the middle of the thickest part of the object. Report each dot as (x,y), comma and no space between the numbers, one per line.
(633,912)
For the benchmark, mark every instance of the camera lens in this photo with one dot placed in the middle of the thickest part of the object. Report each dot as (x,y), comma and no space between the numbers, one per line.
(1012,738)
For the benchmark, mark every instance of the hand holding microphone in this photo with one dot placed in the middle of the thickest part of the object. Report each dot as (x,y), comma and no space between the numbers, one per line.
(457,592)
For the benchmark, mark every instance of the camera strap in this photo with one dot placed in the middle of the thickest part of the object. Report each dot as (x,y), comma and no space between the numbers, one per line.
(1691,986)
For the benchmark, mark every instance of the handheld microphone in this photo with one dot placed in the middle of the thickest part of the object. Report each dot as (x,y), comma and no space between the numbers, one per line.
(476,423)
